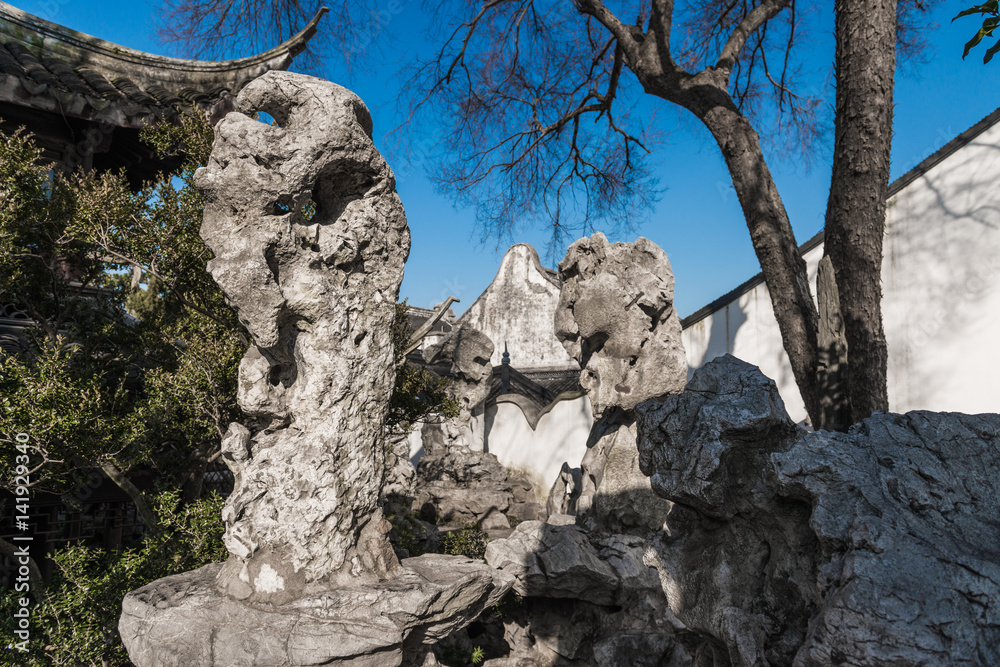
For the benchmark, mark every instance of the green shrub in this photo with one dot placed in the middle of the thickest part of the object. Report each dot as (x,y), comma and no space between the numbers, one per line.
(470,541)
(75,620)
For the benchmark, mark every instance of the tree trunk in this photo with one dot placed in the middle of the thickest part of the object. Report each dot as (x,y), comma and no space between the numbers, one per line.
(855,215)
(771,233)
(138,497)
(831,375)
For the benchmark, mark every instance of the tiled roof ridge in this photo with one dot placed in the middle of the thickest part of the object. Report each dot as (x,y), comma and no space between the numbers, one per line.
(70,41)
(48,67)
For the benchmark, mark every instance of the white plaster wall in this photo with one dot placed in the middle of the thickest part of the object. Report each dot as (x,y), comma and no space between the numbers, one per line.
(519,308)
(941,295)
(561,435)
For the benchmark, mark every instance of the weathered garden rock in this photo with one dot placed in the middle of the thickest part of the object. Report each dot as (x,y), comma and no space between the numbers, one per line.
(400,484)
(587,600)
(466,352)
(309,239)
(464,357)
(318,296)
(554,561)
(425,600)
(874,547)
(465,486)
(625,502)
(616,317)
(564,492)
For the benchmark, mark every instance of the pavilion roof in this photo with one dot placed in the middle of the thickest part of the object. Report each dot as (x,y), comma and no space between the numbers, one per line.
(51,68)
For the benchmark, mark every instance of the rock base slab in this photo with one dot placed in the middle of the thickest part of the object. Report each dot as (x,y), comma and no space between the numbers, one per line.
(183,621)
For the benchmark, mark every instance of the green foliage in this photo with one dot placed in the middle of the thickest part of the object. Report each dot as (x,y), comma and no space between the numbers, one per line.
(477,656)
(470,542)
(116,375)
(418,394)
(76,620)
(409,534)
(68,409)
(507,605)
(991,19)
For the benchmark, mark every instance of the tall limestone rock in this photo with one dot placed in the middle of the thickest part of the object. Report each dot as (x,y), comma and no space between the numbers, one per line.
(309,239)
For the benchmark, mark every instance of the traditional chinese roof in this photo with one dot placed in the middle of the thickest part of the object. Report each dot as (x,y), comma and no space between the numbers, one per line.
(63,85)
(50,67)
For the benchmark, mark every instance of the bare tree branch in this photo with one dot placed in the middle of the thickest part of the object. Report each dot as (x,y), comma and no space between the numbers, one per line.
(749,25)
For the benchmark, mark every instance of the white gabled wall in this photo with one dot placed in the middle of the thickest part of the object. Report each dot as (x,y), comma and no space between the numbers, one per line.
(941,294)
(518,308)
(561,435)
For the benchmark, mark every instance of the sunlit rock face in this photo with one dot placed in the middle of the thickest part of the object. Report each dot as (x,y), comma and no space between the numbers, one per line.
(616,317)
(872,547)
(309,239)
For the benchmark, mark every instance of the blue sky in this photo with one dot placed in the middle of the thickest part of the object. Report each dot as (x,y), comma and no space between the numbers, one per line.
(697,220)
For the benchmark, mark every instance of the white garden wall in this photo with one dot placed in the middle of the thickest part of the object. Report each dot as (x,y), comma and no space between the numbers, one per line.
(941,290)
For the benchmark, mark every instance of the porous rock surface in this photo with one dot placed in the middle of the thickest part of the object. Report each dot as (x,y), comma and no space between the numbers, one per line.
(616,317)
(463,357)
(467,486)
(318,296)
(466,354)
(588,599)
(873,547)
(362,626)
(309,239)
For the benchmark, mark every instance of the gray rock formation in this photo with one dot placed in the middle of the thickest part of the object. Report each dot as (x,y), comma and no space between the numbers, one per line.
(625,502)
(564,492)
(874,547)
(466,352)
(465,486)
(309,239)
(464,357)
(616,317)
(587,600)
(318,296)
(177,619)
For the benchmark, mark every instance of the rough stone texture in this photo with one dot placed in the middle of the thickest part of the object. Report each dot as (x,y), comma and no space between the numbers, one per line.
(465,486)
(466,352)
(625,502)
(312,578)
(564,492)
(587,600)
(874,547)
(318,296)
(369,626)
(616,317)
(464,357)
(400,484)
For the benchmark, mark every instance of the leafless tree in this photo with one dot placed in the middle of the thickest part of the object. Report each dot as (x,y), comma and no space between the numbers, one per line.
(224,29)
(547,113)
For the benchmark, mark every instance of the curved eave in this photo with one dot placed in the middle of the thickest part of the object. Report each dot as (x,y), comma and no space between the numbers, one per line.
(80,49)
